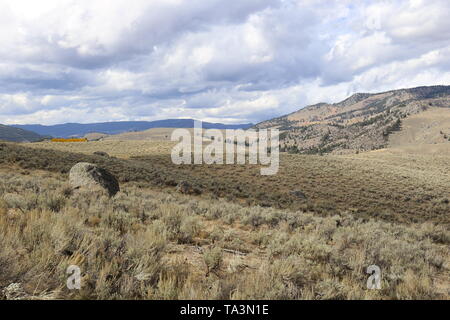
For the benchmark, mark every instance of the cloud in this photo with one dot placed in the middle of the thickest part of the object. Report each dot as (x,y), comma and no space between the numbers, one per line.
(233,61)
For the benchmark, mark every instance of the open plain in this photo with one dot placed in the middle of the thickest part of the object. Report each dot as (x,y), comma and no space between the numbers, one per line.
(308,232)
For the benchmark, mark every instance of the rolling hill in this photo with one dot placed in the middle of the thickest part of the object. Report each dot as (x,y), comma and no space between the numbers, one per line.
(362,122)
(155,134)
(79,130)
(428,127)
(8,133)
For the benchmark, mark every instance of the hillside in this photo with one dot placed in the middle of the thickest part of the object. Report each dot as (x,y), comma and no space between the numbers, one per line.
(360,123)
(110,128)
(155,134)
(428,127)
(8,133)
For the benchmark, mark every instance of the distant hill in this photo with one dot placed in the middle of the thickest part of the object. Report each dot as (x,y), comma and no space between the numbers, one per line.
(155,134)
(79,130)
(362,122)
(9,133)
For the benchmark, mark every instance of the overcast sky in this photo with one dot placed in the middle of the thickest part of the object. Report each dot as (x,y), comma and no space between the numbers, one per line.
(227,61)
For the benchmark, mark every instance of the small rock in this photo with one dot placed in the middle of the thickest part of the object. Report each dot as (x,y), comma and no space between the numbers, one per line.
(101,153)
(298,194)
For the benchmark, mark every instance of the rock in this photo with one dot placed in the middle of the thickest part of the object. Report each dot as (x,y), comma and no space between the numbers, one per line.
(89,176)
(185,187)
(101,153)
(298,194)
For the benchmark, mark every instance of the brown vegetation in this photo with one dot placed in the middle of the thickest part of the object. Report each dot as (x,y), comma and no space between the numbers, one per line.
(309,232)
(388,185)
(143,244)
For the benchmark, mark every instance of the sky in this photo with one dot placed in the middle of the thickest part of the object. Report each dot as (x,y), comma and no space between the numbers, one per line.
(234,61)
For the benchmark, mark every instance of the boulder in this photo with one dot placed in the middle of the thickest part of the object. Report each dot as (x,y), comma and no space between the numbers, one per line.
(90,177)
(185,187)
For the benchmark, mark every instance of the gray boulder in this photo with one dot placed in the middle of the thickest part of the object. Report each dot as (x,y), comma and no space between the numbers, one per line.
(90,177)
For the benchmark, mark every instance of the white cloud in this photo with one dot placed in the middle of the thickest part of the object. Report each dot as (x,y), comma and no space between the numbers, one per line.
(233,61)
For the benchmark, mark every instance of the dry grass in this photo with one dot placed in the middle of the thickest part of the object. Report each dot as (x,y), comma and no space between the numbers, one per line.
(391,185)
(426,128)
(244,237)
(146,244)
(118,148)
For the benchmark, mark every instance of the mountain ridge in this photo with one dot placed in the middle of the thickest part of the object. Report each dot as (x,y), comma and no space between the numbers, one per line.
(361,122)
(117,127)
